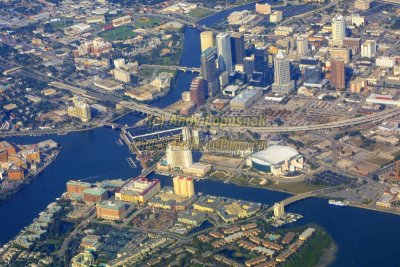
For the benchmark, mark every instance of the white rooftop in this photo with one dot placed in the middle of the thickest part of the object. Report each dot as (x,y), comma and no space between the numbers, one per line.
(275,154)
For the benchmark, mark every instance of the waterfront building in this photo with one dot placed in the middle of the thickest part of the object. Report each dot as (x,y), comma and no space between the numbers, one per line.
(279,210)
(75,188)
(206,40)
(264,9)
(11,150)
(80,109)
(313,76)
(302,45)
(282,81)
(183,186)
(179,156)
(338,74)
(338,28)
(209,71)
(224,52)
(233,210)
(3,156)
(276,160)
(15,173)
(368,49)
(94,195)
(110,210)
(138,190)
(237,47)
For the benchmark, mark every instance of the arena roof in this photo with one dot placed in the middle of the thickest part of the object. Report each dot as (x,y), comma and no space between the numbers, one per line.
(275,154)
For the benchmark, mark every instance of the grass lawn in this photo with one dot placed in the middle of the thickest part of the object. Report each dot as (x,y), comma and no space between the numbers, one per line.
(296,187)
(147,22)
(119,33)
(200,12)
(312,251)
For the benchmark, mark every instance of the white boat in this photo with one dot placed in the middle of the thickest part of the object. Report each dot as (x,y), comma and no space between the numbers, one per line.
(336,203)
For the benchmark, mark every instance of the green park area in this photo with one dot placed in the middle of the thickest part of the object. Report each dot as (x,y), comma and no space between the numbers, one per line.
(313,252)
(60,24)
(200,12)
(146,22)
(119,33)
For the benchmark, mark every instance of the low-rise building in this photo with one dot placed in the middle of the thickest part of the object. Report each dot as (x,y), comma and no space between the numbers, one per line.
(138,190)
(110,210)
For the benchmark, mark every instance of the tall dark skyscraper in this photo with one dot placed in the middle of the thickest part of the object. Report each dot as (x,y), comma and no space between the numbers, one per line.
(261,59)
(238,48)
(209,71)
(312,76)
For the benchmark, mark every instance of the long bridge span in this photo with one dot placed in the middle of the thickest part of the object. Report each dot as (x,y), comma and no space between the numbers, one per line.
(200,121)
(164,67)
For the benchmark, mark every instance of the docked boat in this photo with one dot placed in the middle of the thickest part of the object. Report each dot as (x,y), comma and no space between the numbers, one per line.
(337,203)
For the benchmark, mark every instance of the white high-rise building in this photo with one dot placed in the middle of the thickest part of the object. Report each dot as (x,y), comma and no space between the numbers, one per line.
(179,156)
(224,52)
(279,210)
(338,28)
(282,82)
(206,40)
(368,49)
(302,45)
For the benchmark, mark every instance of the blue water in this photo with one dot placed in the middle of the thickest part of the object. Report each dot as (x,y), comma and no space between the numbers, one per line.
(364,238)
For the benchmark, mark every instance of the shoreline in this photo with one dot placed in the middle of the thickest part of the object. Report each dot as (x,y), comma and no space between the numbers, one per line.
(30,178)
(329,255)
(359,206)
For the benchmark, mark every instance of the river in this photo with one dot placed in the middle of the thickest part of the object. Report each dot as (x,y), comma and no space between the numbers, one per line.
(363,237)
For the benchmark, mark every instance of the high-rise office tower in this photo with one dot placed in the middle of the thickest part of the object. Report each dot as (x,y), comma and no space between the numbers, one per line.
(183,187)
(302,45)
(206,40)
(338,28)
(224,53)
(248,64)
(238,48)
(338,73)
(209,71)
(261,59)
(313,76)
(198,91)
(282,82)
(368,49)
